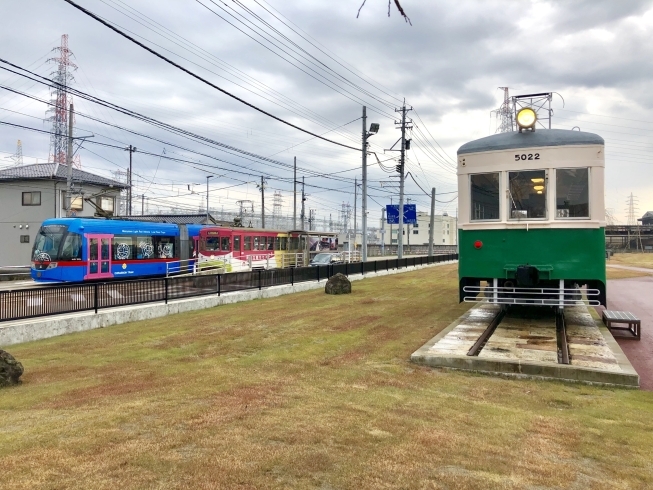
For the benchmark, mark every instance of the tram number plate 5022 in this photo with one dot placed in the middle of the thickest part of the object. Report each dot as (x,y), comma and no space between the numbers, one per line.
(527,156)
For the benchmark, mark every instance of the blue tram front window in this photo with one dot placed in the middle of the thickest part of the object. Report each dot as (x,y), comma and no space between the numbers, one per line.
(527,194)
(72,247)
(484,193)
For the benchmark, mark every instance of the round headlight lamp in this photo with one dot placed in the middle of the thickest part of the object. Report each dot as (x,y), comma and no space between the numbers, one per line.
(526,118)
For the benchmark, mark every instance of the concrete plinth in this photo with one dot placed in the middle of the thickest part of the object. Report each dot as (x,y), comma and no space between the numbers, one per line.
(525,345)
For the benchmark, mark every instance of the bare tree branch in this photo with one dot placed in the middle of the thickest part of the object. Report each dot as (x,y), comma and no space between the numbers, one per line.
(359,8)
(401,11)
(397,4)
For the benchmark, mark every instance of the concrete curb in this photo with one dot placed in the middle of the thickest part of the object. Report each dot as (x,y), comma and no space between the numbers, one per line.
(28,330)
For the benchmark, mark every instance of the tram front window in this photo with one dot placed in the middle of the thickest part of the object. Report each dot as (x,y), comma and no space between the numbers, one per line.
(572,193)
(527,194)
(46,244)
(485,196)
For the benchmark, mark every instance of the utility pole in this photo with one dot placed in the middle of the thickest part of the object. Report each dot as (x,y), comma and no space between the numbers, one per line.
(355,205)
(131,150)
(262,202)
(69,159)
(294,197)
(142,204)
(207,197)
(374,128)
(364,189)
(432,225)
(303,200)
(383,232)
(400,231)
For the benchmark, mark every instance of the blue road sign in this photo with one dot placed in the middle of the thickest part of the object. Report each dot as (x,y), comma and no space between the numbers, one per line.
(410,214)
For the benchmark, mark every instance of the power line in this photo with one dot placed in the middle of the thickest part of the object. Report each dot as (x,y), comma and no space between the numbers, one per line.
(194,75)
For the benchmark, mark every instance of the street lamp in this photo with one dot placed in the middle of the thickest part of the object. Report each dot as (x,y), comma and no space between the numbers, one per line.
(207,197)
(374,129)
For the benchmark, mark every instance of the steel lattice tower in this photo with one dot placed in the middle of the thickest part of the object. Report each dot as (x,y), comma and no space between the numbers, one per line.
(632,210)
(18,156)
(60,101)
(504,113)
(277,209)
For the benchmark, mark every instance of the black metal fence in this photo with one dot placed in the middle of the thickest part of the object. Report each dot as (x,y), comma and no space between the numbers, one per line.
(69,298)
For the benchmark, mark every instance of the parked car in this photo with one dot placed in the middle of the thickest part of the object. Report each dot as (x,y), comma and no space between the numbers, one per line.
(326,259)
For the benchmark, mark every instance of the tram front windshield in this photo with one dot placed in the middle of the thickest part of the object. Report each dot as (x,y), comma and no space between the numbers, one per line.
(48,241)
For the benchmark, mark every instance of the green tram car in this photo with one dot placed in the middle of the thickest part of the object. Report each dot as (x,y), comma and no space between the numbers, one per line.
(532,218)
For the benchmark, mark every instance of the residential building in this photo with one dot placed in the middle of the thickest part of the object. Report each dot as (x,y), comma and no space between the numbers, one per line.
(30,194)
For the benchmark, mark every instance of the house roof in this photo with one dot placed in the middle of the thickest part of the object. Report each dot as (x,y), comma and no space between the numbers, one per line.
(527,139)
(40,171)
(179,219)
(647,215)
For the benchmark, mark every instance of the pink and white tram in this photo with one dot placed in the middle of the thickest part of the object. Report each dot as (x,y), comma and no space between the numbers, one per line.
(237,249)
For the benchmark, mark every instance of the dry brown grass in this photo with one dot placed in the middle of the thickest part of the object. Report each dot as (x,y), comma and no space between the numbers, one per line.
(633,259)
(307,391)
(614,273)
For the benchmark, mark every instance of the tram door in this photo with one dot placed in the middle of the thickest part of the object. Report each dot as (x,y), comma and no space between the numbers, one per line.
(98,254)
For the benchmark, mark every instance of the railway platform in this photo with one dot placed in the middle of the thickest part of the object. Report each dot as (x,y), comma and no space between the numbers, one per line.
(527,342)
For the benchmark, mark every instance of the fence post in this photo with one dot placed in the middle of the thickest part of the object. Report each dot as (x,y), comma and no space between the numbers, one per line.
(347,269)
(259,279)
(96,305)
(318,272)
(375,266)
(292,276)
(219,284)
(165,279)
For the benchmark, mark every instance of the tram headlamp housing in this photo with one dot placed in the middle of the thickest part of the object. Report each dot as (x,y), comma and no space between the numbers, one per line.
(526,119)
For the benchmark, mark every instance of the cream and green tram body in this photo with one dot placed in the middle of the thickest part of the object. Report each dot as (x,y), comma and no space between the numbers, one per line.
(532,218)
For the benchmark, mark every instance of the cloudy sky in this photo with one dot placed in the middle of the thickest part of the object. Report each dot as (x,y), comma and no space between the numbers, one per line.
(314,64)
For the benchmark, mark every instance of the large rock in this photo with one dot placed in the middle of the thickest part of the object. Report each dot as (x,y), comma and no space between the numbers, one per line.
(338,284)
(10,369)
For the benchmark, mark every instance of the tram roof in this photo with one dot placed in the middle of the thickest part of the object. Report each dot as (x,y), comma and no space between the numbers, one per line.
(530,139)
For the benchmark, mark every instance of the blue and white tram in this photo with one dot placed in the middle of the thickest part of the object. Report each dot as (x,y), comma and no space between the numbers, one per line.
(87,249)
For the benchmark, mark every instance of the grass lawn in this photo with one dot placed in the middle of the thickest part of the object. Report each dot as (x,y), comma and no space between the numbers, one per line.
(614,273)
(308,391)
(633,259)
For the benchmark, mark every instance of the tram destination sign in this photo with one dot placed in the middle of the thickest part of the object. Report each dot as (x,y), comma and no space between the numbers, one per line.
(410,214)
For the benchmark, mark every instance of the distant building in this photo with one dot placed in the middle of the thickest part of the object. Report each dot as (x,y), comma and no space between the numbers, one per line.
(30,194)
(647,219)
(444,231)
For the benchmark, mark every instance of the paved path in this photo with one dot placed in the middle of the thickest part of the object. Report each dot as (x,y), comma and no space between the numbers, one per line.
(630,268)
(636,295)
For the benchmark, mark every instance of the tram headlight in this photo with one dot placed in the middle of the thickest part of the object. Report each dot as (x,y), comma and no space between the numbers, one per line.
(526,118)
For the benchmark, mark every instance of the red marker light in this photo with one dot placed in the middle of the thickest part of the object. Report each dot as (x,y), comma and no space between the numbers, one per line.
(478,244)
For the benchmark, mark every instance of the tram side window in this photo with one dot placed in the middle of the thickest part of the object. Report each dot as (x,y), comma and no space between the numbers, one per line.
(527,194)
(277,242)
(270,243)
(248,243)
(123,248)
(144,248)
(572,193)
(164,247)
(255,243)
(485,196)
(294,243)
(225,244)
(237,243)
(284,243)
